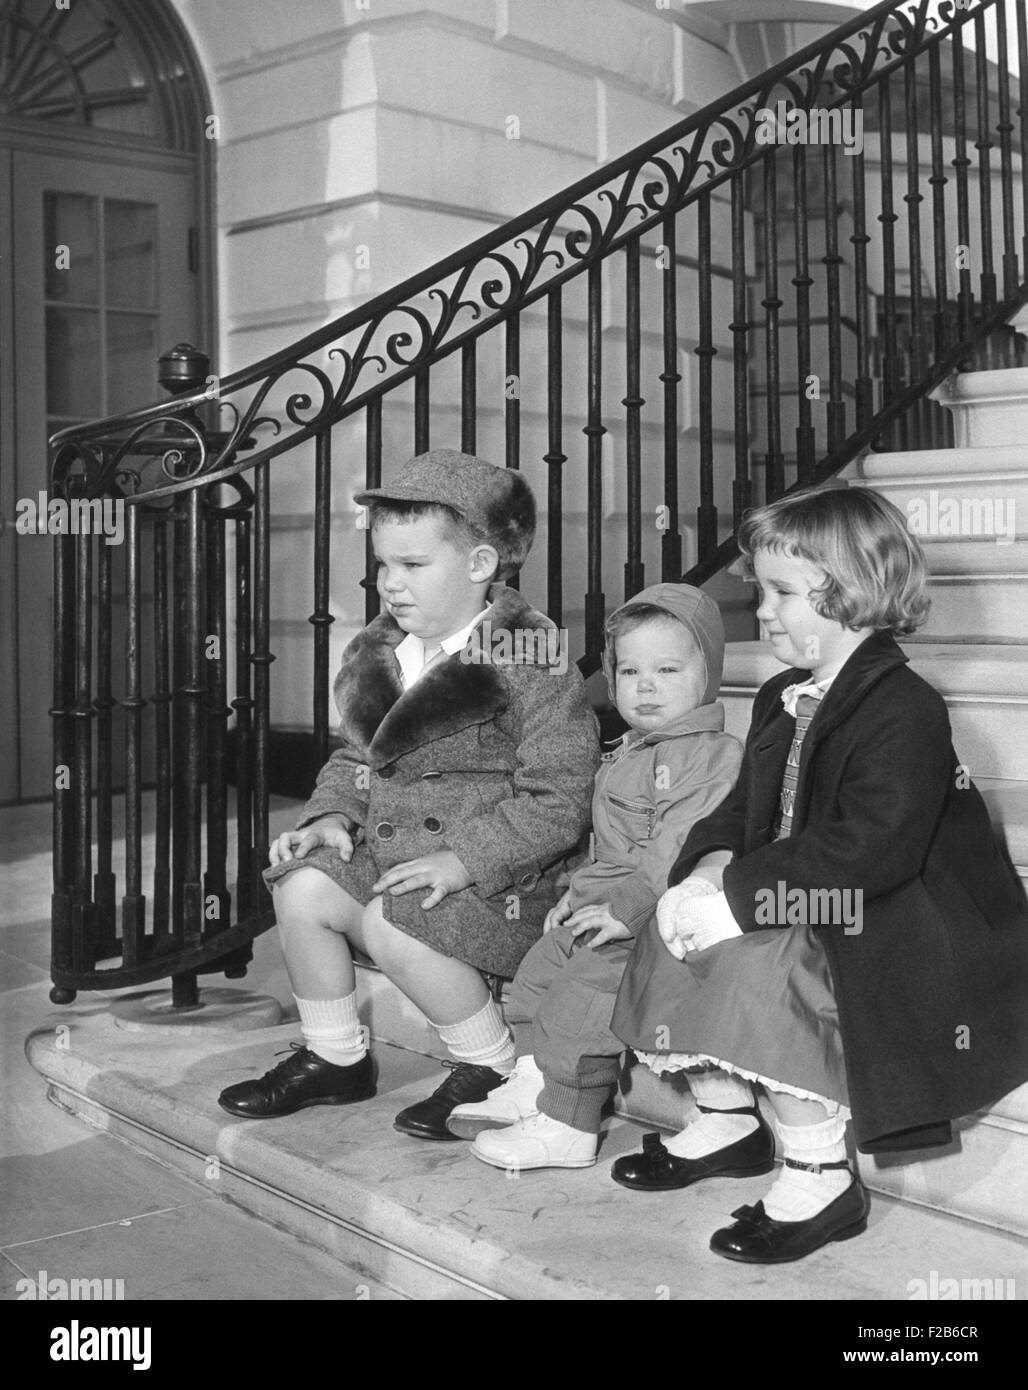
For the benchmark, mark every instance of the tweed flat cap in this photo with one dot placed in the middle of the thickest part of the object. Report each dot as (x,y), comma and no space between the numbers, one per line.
(496,503)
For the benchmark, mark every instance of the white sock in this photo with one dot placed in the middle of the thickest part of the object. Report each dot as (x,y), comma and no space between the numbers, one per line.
(798,1195)
(331,1029)
(484,1039)
(705,1134)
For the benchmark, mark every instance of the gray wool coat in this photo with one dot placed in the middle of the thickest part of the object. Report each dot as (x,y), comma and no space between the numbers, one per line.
(493,759)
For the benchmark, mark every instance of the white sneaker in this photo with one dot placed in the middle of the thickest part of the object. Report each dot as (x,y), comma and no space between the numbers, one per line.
(537,1142)
(516,1098)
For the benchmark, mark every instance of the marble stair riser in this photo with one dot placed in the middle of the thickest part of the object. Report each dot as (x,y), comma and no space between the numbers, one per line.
(977,608)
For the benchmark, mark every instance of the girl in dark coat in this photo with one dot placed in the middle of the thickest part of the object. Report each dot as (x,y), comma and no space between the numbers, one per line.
(842,928)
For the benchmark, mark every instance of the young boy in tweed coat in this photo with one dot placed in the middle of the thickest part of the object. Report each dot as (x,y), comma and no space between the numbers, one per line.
(435,834)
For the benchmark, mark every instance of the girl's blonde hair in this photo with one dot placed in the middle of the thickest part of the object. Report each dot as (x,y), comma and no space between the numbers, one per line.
(875,569)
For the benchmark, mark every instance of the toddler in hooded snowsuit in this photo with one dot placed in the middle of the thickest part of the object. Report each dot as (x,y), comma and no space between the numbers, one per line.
(663,660)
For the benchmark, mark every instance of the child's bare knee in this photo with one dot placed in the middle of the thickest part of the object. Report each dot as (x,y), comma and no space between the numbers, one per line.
(383,940)
(306,897)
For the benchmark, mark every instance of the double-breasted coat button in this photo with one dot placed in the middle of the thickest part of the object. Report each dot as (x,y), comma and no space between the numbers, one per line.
(387,772)
(385,830)
(432,825)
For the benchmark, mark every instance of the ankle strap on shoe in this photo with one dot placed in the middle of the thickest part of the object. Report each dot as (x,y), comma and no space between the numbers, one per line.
(742,1110)
(815,1167)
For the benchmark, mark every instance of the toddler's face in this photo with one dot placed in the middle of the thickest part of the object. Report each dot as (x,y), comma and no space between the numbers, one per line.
(799,635)
(430,585)
(660,676)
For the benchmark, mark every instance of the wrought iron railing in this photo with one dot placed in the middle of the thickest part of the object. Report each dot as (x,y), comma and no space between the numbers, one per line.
(820,294)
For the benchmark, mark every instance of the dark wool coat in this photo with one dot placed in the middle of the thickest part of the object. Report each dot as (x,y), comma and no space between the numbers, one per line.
(492,759)
(932,991)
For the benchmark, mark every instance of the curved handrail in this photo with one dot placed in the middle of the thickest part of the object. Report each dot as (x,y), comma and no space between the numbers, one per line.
(505,270)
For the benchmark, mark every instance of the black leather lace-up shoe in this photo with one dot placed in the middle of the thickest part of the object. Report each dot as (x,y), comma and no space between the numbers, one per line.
(465,1085)
(758,1239)
(658,1170)
(303,1079)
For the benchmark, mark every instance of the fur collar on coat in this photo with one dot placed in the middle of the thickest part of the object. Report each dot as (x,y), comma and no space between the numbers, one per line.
(384,721)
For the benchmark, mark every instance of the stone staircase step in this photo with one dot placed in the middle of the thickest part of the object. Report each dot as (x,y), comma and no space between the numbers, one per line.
(979,573)
(429,1221)
(974,557)
(984,687)
(989,408)
(976,608)
(982,1176)
(1003,466)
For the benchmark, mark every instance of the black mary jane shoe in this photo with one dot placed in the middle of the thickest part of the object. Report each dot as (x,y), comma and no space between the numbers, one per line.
(758,1239)
(465,1085)
(657,1170)
(303,1079)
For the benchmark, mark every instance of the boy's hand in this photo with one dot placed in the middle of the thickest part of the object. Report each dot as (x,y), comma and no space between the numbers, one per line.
(558,913)
(331,831)
(599,918)
(443,872)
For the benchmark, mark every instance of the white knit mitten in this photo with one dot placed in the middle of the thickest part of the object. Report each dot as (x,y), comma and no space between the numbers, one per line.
(712,921)
(674,921)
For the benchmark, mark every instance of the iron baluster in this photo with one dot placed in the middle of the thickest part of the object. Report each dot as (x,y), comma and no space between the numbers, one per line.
(216,901)
(321,619)
(1022,111)
(706,512)
(193,691)
(62,713)
(1005,128)
(833,262)
(864,383)
(261,661)
(104,886)
(774,474)
(938,181)
(983,145)
(178,733)
(246,866)
(422,431)
(512,404)
(372,479)
(891,374)
(913,199)
(594,431)
(163,712)
(806,437)
(554,458)
(633,403)
(469,396)
(133,903)
(84,943)
(961,163)
(670,538)
(739,327)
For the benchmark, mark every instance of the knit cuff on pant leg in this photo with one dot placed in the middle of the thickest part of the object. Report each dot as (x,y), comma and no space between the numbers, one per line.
(581,1109)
